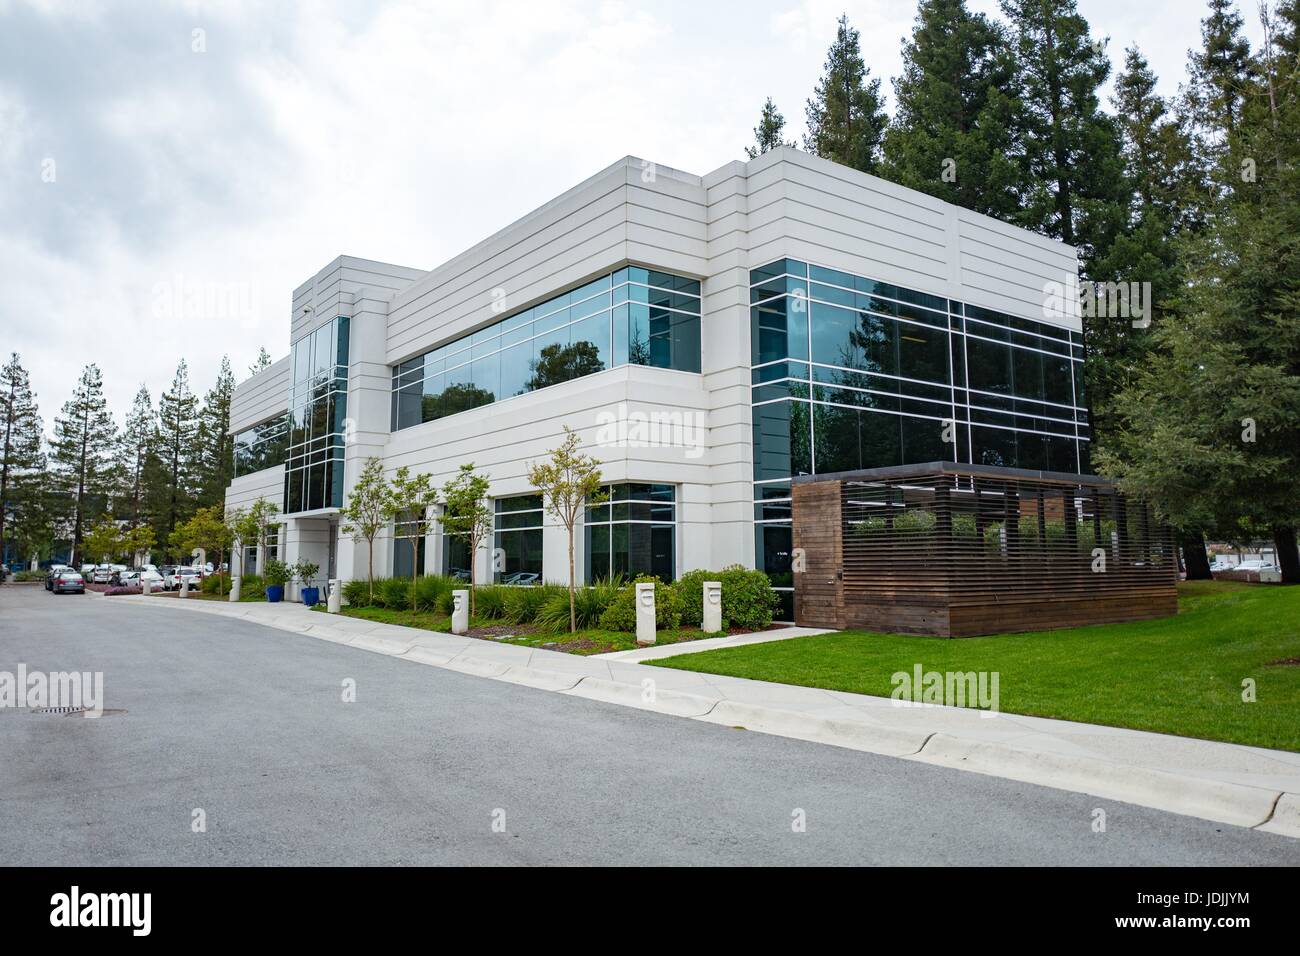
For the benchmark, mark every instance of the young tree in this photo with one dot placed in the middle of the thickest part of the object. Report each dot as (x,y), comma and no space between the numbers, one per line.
(206,529)
(83,440)
(243,531)
(21,426)
(409,499)
(466,514)
(364,514)
(769,133)
(173,486)
(262,515)
(134,447)
(137,541)
(952,134)
(1069,149)
(846,119)
(103,541)
(568,481)
(215,447)
(1220,74)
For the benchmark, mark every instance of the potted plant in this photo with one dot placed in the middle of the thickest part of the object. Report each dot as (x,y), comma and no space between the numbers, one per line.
(305,572)
(276,577)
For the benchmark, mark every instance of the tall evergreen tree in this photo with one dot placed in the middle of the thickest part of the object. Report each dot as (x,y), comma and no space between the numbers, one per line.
(1219,75)
(171,475)
(20,423)
(1069,149)
(82,451)
(846,120)
(263,361)
(952,134)
(215,451)
(769,133)
(134,447)
(1212,419)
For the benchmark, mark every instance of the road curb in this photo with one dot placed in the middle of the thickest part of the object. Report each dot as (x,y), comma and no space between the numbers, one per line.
(1286,817)
(1233,803)
(854,735)
(673,703)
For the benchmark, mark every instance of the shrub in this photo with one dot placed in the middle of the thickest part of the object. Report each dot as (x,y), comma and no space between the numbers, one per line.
(522,604)
(277,573)
(490,601)
(393,593)
(217,584)
(29,575)
(589,604)
(430,590)
(357,593)
(252,588)
(621,613)
(748,600)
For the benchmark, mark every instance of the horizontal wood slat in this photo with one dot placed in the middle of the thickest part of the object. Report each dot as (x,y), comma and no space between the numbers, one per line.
(960,553)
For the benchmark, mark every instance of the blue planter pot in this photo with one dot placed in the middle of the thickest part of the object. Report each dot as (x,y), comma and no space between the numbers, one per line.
(275,593)
(310,596)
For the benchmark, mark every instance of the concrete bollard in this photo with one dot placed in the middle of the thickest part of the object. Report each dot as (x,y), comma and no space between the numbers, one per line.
(336,597)
(460,611)
(185,587)
(234,588)
(146,586)
(712,621)
(645,613)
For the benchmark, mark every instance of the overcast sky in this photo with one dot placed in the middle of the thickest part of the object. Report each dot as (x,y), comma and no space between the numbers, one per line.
(170,172)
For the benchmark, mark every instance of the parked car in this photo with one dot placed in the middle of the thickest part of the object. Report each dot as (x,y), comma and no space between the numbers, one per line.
(103,574)
(153,577)
(193,575)
(128,579)
(55,570)
(521,577)
(1256,564)
(69,582)
(87,570)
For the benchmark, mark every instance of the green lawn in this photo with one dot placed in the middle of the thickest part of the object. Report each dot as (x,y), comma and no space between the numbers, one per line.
(592,641)
(1180,675)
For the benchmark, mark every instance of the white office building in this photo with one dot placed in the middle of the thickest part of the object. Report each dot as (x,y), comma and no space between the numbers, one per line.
(708,337)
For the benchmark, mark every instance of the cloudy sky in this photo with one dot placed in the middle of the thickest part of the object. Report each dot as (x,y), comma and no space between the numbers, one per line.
(169,172)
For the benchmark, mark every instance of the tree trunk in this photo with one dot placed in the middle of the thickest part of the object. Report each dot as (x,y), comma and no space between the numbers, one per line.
(1194,558)
(573,614)
(1288,559)
(370,569)
(4,466)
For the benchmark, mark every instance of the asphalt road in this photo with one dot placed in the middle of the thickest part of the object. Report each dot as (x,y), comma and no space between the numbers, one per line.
(248,724)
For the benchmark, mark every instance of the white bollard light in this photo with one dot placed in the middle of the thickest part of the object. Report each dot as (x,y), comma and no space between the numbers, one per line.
(185,587)
(146,585)
(712,619)
(336,597)
(234,588)
(645,613)
(460,611)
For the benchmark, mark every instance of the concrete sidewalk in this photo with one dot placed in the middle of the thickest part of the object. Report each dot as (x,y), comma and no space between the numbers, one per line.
(1228,783)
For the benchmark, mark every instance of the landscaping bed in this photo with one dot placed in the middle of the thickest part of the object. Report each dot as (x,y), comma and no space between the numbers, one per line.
(1178,675)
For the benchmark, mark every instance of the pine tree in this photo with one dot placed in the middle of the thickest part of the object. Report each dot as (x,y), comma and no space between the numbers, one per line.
(84,437)
(769,133)
(1219,74)
(134,447)
(1068,148)
(846,120)
(1212,419)
(171,478)
(215,447)
(21,425)
(263,361)
(952,134)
